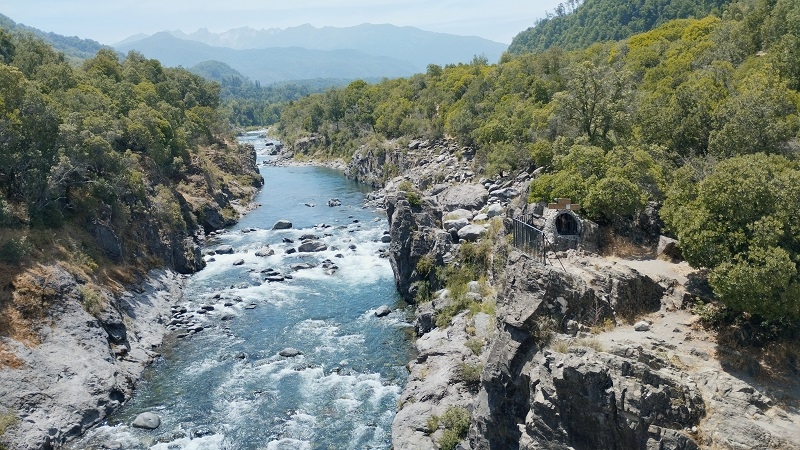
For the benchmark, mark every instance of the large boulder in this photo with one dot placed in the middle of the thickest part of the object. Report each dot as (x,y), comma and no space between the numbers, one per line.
(463,196)
(455,224)
(494,210)
(282,225)
(312,246)
(668,249)
(459,214)
(224,250)
(471,233)
(265,251)
(147,421)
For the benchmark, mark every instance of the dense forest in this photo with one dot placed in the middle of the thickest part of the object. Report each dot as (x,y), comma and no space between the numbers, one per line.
(577,24)
(106,167)
(698,117)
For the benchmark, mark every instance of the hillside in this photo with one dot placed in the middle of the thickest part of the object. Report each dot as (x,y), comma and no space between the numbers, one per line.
(689,129)
(73,46)
(594,21)
(409,44)
(271,64)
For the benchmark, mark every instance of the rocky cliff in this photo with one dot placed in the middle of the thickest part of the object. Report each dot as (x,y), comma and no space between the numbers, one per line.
(585,352)
(84,366)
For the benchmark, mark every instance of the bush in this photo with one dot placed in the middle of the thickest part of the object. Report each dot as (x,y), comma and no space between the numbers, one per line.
(13,251)
(737,222)
(414,199)
(470,374)
(476,345)
(456,425)
(92,300)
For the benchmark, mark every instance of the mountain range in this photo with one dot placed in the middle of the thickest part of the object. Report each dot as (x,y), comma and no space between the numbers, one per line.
(270,55)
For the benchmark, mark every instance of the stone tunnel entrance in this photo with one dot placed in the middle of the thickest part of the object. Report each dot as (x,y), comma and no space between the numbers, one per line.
(566,225)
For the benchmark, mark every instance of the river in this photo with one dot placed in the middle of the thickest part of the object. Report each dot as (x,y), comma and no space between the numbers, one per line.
(227,387)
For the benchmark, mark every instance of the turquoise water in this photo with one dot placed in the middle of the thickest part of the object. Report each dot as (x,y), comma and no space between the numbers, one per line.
(227,387)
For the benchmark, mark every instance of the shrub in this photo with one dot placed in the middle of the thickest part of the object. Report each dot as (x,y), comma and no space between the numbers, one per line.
(91,300)
(414,199)
(13,251)
(470,374)
(425,266)
(476,345)
(456,425)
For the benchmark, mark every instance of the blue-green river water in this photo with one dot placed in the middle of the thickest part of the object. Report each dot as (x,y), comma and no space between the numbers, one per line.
(227,387)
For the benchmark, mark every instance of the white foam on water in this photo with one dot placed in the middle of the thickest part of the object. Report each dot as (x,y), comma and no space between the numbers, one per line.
(289,444)
(203,366)
(210,442)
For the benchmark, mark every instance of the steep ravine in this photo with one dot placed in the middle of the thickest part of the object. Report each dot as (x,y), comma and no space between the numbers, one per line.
(563,365)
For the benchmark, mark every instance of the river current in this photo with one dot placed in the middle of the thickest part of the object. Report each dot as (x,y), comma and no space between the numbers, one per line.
(227,387)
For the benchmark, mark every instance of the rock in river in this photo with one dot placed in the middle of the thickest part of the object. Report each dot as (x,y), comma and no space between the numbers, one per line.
(282,225)
(382,311)
(312,246)
(147,420)
(265,251)
(224,250)
(290,352)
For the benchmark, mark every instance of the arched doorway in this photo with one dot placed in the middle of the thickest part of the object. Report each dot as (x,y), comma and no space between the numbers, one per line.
(566,225)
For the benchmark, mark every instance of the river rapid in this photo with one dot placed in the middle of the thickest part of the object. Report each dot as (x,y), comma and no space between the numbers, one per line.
(227,387)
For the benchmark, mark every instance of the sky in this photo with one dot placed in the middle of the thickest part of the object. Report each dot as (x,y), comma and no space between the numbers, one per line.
(111,21)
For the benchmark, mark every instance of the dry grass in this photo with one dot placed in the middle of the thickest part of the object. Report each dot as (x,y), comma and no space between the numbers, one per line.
(563,345)
(9,359)
(622,247)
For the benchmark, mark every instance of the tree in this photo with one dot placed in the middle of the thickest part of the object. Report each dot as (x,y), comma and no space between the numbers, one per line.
(595,100)
(741,223)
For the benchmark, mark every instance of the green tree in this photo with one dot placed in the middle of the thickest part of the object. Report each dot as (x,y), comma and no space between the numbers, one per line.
(740,222)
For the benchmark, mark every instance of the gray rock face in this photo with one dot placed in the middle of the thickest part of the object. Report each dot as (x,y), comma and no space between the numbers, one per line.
(77,375)
(586,399)
(463,196)
(108,241)
(282,225)
(534,292)
(414,234)
(147,420)
(312,246)
(471,233)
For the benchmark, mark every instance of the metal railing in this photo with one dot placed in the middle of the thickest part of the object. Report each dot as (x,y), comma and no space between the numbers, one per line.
(530,239)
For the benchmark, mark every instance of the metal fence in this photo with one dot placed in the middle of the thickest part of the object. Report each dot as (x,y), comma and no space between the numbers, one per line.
(529,239)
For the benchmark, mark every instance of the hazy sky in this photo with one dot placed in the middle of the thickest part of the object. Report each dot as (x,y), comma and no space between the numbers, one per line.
(110,21)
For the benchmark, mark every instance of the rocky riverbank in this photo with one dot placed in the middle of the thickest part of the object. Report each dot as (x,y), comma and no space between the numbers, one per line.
(85,366)
(587,352)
